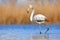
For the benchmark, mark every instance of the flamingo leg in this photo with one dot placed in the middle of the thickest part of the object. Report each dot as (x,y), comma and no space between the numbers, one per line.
(40,32)
(40,29)
(46,32)
(47,29)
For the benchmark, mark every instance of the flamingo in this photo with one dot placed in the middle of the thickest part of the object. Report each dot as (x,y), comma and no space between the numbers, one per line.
(39,18)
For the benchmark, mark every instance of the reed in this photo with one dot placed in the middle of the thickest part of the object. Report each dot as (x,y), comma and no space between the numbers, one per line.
(11,14)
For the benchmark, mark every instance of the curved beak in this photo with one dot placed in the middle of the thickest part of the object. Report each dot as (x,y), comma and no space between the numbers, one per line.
(28,10)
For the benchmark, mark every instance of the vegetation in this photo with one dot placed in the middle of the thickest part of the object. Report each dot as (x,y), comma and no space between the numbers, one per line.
(10,13)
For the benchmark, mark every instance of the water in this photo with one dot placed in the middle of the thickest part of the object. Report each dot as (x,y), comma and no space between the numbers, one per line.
(25,31)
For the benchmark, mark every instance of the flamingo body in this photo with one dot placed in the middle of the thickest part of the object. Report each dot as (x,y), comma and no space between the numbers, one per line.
(39,19)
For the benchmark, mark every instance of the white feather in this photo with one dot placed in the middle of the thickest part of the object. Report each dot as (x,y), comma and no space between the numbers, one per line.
(37,17)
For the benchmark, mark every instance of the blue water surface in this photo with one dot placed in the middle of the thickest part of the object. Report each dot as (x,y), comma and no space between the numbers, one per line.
(23,31)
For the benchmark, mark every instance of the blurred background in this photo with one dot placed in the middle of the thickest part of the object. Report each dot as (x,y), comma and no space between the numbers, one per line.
(15,11)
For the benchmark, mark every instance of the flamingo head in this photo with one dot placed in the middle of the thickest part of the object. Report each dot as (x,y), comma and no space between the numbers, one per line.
(30,6)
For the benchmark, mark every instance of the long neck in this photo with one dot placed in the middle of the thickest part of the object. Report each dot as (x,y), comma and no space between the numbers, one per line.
(31,16)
